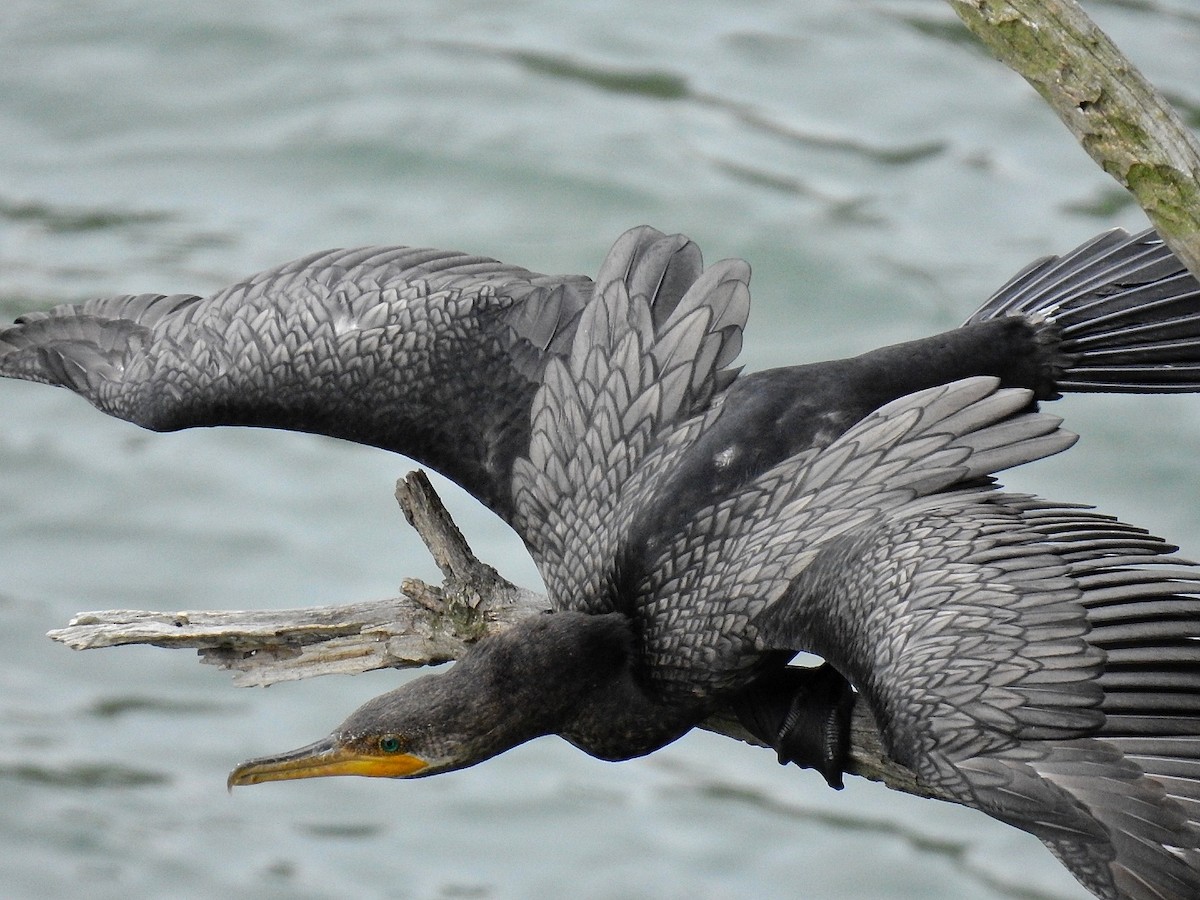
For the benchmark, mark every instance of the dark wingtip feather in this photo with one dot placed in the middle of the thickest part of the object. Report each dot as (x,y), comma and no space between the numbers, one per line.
(73,351)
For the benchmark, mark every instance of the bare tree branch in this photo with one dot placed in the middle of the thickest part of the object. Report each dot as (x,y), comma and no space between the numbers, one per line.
(425,625)
(1117,116)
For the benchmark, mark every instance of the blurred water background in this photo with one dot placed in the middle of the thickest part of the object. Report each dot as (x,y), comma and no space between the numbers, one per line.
(878,169)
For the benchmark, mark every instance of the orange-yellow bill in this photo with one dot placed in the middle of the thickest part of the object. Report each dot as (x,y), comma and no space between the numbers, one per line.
(323,758)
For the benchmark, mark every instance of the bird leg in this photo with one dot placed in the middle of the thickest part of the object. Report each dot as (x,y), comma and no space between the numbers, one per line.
(804,714)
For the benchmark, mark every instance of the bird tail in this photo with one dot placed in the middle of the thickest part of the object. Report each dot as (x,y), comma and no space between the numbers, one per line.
(1124,311)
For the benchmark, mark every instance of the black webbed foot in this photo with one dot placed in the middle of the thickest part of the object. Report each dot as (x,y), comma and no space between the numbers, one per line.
(804,714)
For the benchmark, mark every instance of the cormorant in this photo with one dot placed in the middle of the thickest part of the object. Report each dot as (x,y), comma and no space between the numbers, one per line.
(696,527)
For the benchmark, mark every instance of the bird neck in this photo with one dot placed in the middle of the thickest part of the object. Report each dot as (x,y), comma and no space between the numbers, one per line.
(614,715)
(570,674)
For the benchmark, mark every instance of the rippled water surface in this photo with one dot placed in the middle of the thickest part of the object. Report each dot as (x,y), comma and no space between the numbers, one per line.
(880,172)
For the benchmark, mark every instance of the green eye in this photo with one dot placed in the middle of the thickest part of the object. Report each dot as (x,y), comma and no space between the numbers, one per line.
(389,744)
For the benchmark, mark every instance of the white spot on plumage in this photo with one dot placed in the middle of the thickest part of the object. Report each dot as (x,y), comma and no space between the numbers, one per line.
(725,458)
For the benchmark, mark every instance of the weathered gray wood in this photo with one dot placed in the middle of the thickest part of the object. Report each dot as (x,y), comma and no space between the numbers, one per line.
(423,626)
(1117,116)
(264,647)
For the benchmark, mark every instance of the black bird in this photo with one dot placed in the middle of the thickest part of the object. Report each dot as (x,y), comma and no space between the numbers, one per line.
(697,527)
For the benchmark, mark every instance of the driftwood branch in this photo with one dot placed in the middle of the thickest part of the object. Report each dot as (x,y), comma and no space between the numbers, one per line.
(1117,116)
(425,625)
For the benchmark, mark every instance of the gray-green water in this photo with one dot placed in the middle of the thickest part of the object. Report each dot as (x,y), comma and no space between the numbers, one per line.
(879,171)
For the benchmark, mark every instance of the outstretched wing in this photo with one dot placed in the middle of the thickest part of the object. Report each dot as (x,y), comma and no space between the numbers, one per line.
(706,584)
(1036,661)
(430,353)
(650,353)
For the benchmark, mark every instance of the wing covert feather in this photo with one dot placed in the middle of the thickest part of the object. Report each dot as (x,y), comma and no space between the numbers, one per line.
(737,557)
(648,357)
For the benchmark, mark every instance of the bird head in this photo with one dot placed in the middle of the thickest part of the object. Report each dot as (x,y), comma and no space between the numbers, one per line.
(389,736)
(530,680)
